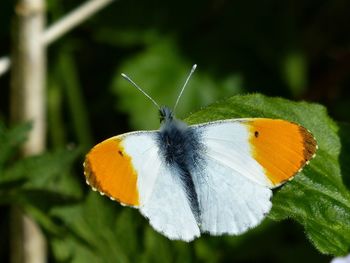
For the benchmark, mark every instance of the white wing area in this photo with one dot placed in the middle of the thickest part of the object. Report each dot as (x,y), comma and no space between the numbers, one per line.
(168,209)
(227,142)
(162,198)
(232,189)
(143,150)
(229,203)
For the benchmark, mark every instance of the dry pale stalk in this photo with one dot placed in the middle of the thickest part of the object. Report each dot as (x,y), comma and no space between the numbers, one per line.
(28,104)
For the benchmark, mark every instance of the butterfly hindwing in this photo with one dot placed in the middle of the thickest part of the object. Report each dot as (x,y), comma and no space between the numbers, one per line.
(168,209)
(229,203)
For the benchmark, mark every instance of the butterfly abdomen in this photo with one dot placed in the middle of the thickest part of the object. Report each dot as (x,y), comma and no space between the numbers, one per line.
(180,147)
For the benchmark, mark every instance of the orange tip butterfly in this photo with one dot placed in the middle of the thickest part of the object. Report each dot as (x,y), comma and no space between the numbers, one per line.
(214,177)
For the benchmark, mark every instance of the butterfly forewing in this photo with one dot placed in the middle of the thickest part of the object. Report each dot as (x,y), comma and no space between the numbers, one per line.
(267,151)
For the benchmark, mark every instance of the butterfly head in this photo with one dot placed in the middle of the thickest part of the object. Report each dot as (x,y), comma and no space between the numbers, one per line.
(165,114)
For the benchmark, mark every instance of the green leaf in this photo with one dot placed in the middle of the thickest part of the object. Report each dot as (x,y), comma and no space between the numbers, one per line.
(10,140)
(97,231)
(36,183)
(43,170)
(344,134)
(42,180)
(317,197)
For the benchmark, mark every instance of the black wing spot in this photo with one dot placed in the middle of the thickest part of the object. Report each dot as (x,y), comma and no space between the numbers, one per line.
(256,134)
(121,153)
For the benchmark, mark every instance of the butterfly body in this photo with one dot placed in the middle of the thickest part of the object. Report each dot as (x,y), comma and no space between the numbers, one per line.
(214,177)
(180,148)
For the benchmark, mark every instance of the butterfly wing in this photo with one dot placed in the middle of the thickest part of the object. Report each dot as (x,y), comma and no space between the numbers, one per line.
(168,208)
(244,159)
(128,168)
(229,203)
(241,160)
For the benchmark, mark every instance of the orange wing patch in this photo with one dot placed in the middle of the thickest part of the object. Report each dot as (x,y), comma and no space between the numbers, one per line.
(282,148)
(109,169)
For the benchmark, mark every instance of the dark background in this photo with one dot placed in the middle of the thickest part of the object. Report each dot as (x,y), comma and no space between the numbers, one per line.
(298,50)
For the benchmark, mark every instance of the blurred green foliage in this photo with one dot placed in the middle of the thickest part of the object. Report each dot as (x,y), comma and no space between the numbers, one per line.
(293,49)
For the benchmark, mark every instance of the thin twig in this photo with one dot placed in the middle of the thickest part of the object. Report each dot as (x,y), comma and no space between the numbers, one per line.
(73,19)
(62,26)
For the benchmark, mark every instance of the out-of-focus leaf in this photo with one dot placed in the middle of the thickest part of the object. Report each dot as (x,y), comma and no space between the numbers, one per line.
(65,96)
(36,183)
(317,197)
(73,91)
(44,172)
(10,140)
(42,180)
(295,72)
(95,232)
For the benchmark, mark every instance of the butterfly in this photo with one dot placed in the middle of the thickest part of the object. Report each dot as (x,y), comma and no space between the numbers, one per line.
(215,177)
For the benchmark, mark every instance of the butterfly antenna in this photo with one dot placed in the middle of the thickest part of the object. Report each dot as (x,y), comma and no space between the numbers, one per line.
(183,87)
(136,86)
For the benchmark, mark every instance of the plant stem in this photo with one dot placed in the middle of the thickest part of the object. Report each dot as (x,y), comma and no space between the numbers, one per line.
(28,104)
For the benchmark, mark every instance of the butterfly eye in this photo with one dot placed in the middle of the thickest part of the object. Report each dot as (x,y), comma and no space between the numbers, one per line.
(161,116)
(165,114)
